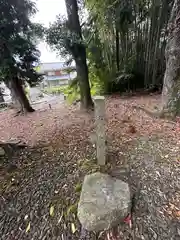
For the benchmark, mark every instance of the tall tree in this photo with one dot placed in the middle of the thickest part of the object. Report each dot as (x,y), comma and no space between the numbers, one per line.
(17,47)
(171,87)
(67,34)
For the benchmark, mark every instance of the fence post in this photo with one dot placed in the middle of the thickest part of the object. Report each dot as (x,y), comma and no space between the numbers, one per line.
(99,102)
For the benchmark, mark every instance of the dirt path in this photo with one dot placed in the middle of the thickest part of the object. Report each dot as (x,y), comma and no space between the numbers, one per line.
(40,186)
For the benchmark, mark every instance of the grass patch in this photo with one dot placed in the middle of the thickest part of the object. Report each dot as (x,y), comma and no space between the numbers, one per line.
(55,89)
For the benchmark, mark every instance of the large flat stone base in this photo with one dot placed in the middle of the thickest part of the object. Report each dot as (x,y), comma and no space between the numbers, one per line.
(104,202)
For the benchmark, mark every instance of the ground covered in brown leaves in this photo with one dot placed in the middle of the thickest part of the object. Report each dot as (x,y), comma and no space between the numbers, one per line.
(40,185)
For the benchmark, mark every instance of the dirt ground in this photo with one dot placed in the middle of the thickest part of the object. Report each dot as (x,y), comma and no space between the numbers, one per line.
(40,185)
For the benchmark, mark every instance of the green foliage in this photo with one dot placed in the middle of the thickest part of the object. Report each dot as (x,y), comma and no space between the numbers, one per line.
(72,209)
(99,80)
(65,36)
(59,37)
(128,40)
(71,92)
(125,44)
(78,187)
(18,54)
(55,89)
(62,39)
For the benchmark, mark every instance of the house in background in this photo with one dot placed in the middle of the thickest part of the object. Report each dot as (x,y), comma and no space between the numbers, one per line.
(56,73)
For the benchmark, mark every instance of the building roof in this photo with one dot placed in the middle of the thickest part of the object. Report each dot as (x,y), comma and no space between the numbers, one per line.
(52,78)
(52,66)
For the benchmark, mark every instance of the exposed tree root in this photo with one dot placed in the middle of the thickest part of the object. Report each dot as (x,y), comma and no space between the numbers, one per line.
(160,114)
(12,146)
(152,114)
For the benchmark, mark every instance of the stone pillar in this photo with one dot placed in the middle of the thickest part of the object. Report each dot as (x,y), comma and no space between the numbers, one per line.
(99,102)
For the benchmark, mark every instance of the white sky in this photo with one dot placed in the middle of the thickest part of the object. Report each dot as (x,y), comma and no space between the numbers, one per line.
(47,12)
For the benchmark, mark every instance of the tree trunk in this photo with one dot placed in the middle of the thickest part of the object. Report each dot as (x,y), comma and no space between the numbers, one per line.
(171,86)
(117,50)
(82,75)
(19,95)
(157,41)
(1,96)
(79,53)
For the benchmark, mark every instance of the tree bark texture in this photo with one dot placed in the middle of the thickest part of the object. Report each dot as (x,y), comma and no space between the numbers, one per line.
(82,75)
(19,96)
(79,53)
(171,86)
(117,50)
(1,96)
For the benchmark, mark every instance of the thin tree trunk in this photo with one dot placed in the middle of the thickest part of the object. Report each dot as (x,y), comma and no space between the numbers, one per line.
(157,43)
(171,86)
(82,75)
(79,53)
(117,50)
(151,46)
(83,78)
(1,96)
(19,95)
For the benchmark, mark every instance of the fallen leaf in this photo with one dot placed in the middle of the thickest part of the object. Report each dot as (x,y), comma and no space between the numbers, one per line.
(64,225)
(132,129)
(128,220)
(73,228)
(28,227)
(176,213)
(51,212)
(62,214)
(172,206)
(72,208)
(78,187)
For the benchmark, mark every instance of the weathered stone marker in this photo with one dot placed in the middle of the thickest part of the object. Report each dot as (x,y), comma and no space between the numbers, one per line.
(104,202)
(99,102)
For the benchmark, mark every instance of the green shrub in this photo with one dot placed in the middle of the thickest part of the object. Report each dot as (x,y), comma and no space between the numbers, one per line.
(54,89)
(125,82)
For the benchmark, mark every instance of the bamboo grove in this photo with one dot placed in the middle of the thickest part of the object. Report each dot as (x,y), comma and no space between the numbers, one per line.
(132,38)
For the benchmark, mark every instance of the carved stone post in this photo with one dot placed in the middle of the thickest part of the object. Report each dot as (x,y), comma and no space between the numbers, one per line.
(99,102)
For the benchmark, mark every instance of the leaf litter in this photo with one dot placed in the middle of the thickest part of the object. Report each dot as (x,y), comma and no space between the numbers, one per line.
(141,150)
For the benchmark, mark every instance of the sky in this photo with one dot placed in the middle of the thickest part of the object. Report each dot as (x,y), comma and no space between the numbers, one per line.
(47,12)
